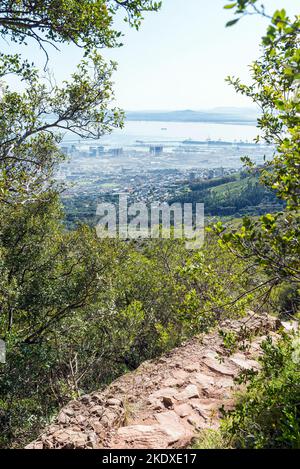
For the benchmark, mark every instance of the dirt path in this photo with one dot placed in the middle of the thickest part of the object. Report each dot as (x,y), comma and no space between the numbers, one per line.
(165,402)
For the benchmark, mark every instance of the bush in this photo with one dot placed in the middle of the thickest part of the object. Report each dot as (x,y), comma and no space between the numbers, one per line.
(268,414)
(211,439)
(286,299)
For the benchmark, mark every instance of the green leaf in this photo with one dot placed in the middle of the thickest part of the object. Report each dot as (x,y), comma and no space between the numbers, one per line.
(230,5)
(232,22)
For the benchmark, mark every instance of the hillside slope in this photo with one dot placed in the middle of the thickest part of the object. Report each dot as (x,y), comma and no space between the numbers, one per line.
(234,196)
(165,402)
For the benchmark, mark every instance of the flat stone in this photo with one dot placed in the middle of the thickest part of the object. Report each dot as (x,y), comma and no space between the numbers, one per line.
(96,425)
(180,374)
(155,403)
(188,393)
(97,409)
(163,392)
(97,397)
(86,399)
(196,420)
(141,437)
(214,364)
(80,419)
(172,382)
(109,418)
(70,439)
(207,408)
(291,325)
(183,410)
(204,380)
(224,382)
(171,425)
(243,363)
(35,445)
(168,402)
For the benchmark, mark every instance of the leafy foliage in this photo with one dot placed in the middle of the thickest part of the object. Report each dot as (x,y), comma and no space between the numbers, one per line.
(272,242)
(268,414)
(28,134)
(88,23)
(232,196)
(77,311)
(62,330)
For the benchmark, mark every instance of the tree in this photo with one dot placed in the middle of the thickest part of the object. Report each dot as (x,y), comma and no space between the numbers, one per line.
(87,24)
(267,415)
(53,282)
(29,134)
(272,243)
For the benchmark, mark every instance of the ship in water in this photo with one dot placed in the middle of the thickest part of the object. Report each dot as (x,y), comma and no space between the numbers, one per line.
(218,142)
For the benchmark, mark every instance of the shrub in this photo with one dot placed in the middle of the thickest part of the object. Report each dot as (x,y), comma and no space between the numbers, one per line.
(268,414)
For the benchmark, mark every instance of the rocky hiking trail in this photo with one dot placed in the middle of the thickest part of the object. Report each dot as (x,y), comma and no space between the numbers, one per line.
(165,402)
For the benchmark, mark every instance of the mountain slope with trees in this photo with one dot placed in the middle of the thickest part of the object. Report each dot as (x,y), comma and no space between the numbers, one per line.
(234,196)
(76,311)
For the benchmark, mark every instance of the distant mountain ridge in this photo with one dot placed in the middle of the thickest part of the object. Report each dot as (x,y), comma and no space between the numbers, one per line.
(222,115)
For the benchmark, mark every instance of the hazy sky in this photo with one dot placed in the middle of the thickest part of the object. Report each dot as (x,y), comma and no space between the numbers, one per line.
(180,57)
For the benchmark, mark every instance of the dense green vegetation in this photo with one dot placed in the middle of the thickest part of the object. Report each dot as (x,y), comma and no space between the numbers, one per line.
(80,209)
(234,196)
(77,311)
(267,414)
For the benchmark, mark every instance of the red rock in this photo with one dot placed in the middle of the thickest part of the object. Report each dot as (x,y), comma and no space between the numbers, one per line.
(164,392)
(114,402)
(109,418)
(180,374)
(207,408)
(94,421)
(224,382)
(80,419)
(155,403)
(204,380)
(214,364)
(96,425)
(140,437)
(35,445)
(172,382)
(63,418)
(196,420)
(243,363)
(188,393)
(183,410)
(172,426)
